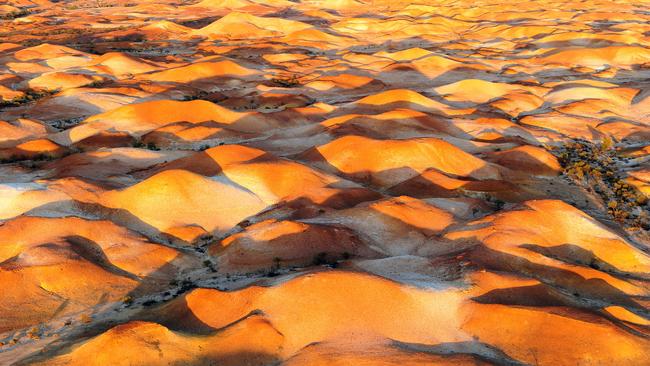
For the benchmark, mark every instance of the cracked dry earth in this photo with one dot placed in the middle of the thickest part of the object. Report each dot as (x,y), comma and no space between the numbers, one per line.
(324,182)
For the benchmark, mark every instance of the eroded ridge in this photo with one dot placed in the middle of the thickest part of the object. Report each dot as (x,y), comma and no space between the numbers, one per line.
(324,182)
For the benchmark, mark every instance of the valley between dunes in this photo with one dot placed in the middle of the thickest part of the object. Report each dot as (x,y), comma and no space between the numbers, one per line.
(324,182)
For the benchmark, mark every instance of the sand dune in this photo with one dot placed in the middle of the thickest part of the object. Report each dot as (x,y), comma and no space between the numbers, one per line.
(200,71)
(59,80)
(410,225)
(33,149)
(270,178)
(404,98)
(20,129)
(239,4)
(46,51)
(320,297)
(243,25)
(73,249)
(165,29)
(140,118)
(388,162)
(598,57)
(120,64)
(324,182)
(177,198)
(20,198)
(478,91)
(271,245)
(110,165)
(224,348)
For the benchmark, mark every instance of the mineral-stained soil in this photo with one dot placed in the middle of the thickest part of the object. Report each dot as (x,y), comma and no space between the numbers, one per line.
(324,182)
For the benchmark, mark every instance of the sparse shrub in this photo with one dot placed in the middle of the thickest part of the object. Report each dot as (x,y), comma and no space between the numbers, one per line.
(320,259)
(210,265)
(96,84)
(206,238)
(127,300)
(323,259)
(15,14)
(286,82)
(149,303)
(214,97)
(43,157)
(66,122)
(275,268)
(29,96)
(32,42)
(498,204)
(593,166)
(33,333)
(11,159)
(149,145)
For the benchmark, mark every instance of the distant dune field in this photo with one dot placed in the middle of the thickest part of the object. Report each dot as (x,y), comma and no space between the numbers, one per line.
(324,182)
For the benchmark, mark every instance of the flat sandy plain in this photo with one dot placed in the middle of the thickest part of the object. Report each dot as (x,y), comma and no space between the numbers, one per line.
(324,182)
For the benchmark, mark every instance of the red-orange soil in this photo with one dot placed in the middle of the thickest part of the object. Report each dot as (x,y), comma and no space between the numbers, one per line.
(324,182)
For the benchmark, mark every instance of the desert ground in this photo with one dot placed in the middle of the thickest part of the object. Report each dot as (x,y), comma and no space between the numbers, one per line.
(324,182)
